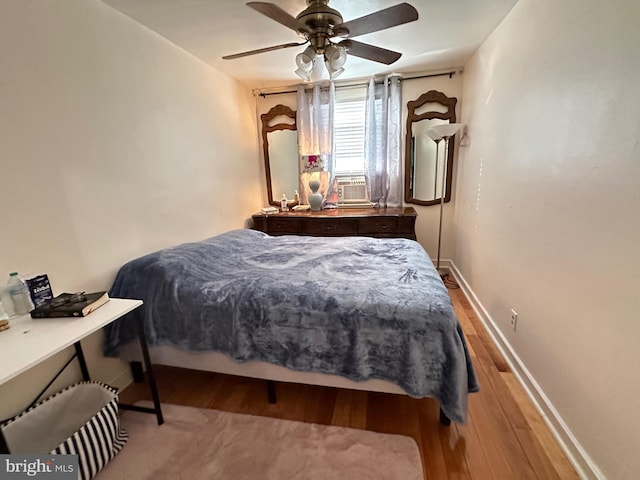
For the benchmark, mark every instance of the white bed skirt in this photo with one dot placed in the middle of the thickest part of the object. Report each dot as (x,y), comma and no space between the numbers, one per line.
(220,363)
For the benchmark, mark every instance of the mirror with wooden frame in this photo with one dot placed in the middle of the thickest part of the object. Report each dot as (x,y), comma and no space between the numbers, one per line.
(280,151)
(424,170)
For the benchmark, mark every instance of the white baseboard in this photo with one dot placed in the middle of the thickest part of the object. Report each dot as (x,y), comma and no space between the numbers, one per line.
(122,380)
(577,455)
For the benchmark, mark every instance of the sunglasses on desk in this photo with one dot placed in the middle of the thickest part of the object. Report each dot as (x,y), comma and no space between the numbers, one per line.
(68,299)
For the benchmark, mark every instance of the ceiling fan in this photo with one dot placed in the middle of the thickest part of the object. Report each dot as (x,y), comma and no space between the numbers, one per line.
(320,24)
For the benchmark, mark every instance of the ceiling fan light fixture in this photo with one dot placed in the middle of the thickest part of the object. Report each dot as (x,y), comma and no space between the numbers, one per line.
(334,59)
(319,24)
(303,74)
(333,74)
(305,59)
(335,56)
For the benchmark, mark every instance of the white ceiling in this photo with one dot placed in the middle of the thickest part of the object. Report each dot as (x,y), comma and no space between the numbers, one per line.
(446,34)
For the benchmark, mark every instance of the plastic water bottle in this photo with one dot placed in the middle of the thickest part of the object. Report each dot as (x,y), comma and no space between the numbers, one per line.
(6,301)
(3,314)
(19,294)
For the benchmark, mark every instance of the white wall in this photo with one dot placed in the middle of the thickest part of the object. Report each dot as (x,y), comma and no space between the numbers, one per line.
(113,143)
(547,209)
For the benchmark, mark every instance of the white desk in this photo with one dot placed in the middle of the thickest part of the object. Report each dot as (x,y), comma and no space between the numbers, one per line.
(31,341)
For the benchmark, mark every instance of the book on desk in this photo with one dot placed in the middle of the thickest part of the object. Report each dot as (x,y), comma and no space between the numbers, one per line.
(71,305)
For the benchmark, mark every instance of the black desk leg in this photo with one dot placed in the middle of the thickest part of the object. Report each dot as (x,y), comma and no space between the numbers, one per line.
(4,448)
(82,361)
(150,376)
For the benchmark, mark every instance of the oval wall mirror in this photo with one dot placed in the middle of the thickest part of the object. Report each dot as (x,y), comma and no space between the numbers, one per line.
(280,150)
(424,171)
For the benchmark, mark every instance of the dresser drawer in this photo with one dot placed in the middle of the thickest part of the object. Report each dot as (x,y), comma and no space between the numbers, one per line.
(284,225)
(329,227)
(407,225)
(377,225)
(370,222)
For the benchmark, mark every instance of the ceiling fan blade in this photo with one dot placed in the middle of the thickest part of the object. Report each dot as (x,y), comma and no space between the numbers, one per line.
(262,50)
(370,52)
(387,18)
(274,12)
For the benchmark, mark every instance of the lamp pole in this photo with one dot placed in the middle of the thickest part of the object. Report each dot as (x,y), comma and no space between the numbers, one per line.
(437,133)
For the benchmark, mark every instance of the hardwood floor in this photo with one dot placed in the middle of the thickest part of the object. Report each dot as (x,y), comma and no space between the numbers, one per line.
(505,438)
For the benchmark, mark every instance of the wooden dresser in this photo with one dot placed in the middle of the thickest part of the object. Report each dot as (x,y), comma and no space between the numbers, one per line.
(370,222)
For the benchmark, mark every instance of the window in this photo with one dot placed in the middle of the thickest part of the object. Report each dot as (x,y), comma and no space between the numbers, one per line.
(348,129)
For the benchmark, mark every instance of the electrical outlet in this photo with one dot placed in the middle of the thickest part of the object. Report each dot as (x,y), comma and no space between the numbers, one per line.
(514,319)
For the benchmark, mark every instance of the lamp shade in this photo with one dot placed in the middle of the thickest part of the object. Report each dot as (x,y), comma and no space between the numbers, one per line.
(334,73)
(305,59)
(446,130)
(433,135)
(335,56)
(303,74)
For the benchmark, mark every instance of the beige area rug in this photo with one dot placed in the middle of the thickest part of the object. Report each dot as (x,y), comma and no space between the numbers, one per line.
(195,444)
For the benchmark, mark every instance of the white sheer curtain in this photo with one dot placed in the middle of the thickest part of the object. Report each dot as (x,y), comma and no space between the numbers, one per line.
(383,136)
(315,134)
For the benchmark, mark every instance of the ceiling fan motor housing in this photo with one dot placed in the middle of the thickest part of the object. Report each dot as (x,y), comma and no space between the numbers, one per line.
(321,21)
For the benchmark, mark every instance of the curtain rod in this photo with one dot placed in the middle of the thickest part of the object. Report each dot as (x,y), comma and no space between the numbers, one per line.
(450,74)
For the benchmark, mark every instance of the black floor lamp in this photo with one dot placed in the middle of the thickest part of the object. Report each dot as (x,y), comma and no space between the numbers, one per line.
(437,133)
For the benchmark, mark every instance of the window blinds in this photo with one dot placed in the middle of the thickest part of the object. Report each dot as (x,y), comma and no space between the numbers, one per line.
(348,130)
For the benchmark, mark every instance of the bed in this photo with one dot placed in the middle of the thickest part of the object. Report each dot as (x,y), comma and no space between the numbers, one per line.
(358,312)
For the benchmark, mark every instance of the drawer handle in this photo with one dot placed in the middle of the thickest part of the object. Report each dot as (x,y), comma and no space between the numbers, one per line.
(383,226)
(328,227)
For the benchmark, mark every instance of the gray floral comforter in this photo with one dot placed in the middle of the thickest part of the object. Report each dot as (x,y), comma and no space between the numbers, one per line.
(357,307)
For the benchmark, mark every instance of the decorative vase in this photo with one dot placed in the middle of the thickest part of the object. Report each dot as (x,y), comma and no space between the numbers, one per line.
(315,198)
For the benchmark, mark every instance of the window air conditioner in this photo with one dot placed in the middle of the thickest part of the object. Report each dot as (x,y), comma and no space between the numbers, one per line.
(352,190)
